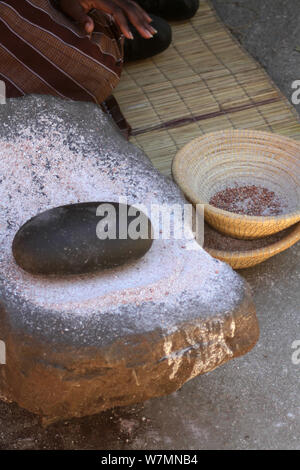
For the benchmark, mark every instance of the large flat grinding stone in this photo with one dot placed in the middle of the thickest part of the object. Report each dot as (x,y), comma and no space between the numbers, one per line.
(78,345)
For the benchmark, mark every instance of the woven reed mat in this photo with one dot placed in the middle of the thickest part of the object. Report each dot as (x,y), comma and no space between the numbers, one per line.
(204,82)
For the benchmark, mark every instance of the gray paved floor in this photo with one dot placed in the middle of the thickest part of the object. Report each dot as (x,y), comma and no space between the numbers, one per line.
(270,30)
(252,402)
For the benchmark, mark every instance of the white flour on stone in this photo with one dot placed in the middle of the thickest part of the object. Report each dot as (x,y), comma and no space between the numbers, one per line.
(39,173)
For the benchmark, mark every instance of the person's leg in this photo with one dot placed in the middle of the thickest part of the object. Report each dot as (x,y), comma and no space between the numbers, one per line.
(141,48)
(171,9)
(43,52)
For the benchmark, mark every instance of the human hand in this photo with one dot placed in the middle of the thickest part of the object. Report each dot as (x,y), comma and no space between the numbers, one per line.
(120,10)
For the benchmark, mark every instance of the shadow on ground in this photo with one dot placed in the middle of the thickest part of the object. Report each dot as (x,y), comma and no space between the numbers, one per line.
(115,429)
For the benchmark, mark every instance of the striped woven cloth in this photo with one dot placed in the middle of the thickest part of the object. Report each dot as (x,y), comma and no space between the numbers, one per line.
(42,51)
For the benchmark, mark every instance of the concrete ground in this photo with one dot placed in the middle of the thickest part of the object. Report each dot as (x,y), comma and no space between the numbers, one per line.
(249,403)
(270,31)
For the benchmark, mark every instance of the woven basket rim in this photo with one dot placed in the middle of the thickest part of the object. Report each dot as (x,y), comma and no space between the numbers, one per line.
(227,214)
(272,249)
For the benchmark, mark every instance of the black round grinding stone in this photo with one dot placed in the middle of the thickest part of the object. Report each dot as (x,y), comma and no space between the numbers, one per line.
(82,238)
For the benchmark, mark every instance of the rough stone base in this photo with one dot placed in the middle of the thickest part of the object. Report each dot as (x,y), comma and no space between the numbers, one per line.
(64,381)
(83,344)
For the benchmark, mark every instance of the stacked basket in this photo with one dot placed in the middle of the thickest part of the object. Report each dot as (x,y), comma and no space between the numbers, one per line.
(218,160)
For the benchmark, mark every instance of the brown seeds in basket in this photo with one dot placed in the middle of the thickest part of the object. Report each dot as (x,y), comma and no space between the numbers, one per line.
(249,200)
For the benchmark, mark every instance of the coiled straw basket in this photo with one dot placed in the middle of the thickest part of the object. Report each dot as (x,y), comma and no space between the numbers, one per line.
(219,160)
(246,259)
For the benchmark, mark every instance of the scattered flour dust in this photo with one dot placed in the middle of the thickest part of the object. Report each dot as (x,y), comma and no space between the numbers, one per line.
(39,173)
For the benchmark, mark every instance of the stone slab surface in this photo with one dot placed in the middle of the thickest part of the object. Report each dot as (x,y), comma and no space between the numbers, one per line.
(250,403)
(81,344)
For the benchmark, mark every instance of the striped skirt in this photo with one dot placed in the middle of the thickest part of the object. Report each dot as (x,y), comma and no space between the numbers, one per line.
(43,52)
